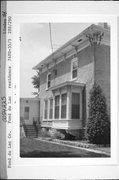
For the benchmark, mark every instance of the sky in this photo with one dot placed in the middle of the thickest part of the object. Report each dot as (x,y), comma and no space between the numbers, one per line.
(35,46)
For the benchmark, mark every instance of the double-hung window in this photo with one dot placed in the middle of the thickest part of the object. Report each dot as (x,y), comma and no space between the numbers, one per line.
(57,99)
(75,106)
(39,86)
(63,105)
(49,80)
(51,109)
(46,109)
(74,68)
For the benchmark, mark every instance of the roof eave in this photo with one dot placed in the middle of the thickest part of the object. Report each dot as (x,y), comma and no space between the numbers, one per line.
(38,66)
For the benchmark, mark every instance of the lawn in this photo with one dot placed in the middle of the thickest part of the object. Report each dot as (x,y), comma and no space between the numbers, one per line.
(37,148)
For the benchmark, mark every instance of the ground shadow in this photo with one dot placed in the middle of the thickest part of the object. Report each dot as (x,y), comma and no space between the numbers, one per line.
(53,154)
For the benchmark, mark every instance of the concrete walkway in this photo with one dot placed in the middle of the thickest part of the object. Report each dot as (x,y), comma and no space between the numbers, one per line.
(77,145)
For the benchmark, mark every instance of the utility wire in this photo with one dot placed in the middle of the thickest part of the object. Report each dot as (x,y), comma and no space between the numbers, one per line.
(52,48)
(51,37)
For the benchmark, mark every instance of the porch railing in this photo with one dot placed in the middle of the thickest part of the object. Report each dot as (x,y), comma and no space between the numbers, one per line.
(36,120)
(22,121)
(22,124)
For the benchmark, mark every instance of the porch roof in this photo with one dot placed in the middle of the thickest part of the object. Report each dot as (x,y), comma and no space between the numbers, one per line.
(67,83)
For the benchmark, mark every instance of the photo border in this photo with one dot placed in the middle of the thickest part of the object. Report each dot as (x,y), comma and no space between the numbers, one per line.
(53,170)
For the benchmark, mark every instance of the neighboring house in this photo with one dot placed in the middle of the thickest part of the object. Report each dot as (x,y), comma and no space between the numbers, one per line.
(29,110)
(67,76)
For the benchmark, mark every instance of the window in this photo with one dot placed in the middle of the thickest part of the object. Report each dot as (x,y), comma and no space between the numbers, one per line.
(39,86)
(51,109)
(57,98)
(49,80)
(75,105)
(46,109)
(74,68)
(26,113)
(63,105)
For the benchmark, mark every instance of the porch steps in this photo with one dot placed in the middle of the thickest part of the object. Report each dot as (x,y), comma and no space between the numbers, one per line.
(30,131)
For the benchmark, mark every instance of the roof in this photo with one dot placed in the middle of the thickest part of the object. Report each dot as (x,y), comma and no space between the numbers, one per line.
(67,83)
(74,42)
(29,99)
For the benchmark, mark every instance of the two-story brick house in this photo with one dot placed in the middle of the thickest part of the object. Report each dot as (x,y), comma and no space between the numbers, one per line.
(67,76)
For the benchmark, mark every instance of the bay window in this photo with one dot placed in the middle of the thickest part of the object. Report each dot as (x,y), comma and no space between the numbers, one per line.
(63,105)
(46,110)
(75,106)
(51,109)
(57,98)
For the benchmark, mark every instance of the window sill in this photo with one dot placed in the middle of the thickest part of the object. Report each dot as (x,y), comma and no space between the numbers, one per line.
(47,89)
(66,119)
(47,120)
(74,79)
(60,119)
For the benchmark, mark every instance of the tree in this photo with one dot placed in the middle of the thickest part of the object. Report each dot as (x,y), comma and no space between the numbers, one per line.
(98,126)
(36,82)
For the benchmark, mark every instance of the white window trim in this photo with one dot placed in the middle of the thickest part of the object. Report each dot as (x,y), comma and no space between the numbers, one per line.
(66,105)
(39,89)
(44,111)
(59,107)
(72,61)
(49,109)
(80,106)
(47,81)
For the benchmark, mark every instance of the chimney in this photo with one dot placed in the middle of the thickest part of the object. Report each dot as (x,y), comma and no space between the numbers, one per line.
(104,25)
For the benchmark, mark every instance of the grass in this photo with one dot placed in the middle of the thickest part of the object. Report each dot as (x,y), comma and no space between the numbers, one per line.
(86,144)
(81,143)
(37,148)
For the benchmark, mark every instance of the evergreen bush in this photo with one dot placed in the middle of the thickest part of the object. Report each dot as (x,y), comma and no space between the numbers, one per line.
(98,126)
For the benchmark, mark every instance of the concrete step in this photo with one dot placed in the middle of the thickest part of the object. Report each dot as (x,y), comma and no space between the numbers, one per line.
(30,131)
(33,132)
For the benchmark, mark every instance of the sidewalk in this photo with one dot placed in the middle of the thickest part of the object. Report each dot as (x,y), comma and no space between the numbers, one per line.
(80,144)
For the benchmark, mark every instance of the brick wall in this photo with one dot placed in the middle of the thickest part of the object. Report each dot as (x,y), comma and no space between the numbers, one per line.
(85,75)
(88,71)
(102,70)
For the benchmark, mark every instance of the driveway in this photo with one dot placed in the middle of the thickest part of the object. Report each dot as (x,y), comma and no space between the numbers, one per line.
(37,148)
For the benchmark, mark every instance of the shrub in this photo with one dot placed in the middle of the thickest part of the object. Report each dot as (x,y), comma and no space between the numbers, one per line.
(98,127)
(69,136)
(55,134)
(44,132)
